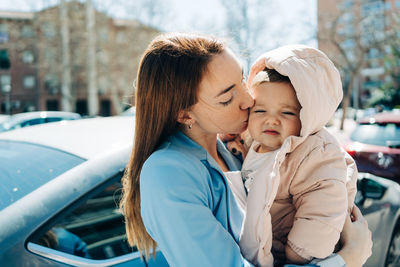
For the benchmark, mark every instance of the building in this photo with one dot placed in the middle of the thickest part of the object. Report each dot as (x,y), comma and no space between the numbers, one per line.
(359,35)
(31,59)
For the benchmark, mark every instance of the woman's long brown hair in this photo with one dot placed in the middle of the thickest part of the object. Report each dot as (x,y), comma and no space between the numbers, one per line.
(167,82)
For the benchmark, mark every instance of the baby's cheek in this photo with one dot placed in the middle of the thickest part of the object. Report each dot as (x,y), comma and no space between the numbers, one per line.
(252,127)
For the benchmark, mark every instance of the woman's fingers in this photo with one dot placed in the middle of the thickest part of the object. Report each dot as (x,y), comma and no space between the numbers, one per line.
(357,215)
(356,239)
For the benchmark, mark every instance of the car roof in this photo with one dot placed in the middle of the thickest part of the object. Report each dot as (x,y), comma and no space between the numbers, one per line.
(86,138)
(383,117)
(43,114)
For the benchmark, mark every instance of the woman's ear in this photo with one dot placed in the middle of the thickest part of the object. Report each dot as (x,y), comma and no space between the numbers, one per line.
(184,117)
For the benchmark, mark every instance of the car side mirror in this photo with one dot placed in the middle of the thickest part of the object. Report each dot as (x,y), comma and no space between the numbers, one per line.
(393,144)
(372,189)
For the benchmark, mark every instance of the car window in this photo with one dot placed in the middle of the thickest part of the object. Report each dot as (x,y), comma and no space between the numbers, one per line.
(19,172)
(32,122)
(94,229)
(377,134)
(54,119)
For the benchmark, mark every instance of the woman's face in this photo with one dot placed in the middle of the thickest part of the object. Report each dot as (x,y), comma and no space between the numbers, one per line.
(224,100)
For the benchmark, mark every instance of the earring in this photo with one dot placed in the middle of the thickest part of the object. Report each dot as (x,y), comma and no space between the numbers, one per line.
(190,126)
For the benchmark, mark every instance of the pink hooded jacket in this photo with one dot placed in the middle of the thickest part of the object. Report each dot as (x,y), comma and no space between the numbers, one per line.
(312,184)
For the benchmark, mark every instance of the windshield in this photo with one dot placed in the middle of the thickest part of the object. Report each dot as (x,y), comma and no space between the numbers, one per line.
(25,167)
(387,134)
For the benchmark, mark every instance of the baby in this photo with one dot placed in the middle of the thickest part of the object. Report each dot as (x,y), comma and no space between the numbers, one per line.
(300,184)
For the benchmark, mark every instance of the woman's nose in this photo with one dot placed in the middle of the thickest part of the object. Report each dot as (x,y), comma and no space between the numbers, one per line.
(247,99)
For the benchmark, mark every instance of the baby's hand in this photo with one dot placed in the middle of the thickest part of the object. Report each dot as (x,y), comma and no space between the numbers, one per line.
(237,143)
(258,66)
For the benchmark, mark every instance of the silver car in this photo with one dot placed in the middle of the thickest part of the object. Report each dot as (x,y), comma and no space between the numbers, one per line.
(25,119)
(59,194)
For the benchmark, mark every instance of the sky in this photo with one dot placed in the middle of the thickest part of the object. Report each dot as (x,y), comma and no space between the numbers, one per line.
(284,22)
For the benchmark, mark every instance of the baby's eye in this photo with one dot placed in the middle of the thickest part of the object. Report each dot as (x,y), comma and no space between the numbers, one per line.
(259,111)
(289,113)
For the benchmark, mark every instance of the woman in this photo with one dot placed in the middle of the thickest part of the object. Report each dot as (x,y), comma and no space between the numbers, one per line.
(189,89)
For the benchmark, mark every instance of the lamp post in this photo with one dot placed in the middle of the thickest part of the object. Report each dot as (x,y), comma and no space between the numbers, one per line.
(7,90)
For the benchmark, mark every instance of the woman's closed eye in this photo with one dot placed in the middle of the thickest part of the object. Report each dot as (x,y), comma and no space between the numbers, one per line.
(226,102)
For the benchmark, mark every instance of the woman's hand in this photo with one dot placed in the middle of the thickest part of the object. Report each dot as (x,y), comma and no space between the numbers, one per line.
(356,239)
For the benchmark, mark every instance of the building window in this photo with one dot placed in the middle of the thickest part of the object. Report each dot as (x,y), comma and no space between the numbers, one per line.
(52,105)
(27,56)
(398,4)
(121,37)
(388,5)
(348,44)
(373,53)
(29,81)
(27,31)
(372,8)
(3,33)
(51,84)
(4,59)
(5,80)
(346,18)
(103,33)
(49,30)
(348,4)
(81,107)
(50,55)
(105,107)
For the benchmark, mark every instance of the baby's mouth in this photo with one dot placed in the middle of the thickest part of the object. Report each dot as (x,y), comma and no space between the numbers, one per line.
(271,132)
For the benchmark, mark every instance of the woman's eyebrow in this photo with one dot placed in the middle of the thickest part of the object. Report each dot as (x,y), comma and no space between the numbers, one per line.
(225,90)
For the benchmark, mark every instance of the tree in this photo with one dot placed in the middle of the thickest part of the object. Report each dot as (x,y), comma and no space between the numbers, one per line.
(66,101)
(255,27)
(353,39)
(246,24)
(93,101)
(388,94)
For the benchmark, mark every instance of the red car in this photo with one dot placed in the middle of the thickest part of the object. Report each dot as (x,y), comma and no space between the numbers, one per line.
(375,145)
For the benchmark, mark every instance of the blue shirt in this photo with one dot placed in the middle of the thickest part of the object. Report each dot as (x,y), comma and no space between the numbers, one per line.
(187,206)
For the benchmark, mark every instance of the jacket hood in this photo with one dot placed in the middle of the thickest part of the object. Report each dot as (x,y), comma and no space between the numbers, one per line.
(315,79)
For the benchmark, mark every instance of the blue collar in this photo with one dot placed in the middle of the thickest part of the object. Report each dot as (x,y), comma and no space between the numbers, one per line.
(180,139)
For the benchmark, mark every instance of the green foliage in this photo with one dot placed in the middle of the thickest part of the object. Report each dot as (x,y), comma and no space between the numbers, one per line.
(389,93)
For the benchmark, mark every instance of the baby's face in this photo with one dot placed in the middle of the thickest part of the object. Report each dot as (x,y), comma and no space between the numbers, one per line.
(275,115)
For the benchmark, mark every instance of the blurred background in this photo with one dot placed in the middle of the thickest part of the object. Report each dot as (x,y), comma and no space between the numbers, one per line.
(61,61)
(82,56)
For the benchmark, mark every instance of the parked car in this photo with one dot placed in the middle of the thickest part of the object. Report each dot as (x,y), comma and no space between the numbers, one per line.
(129,112)
(25,119)
(379,201)
(61,186)
(4,117)
(59,194)
(375,145)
